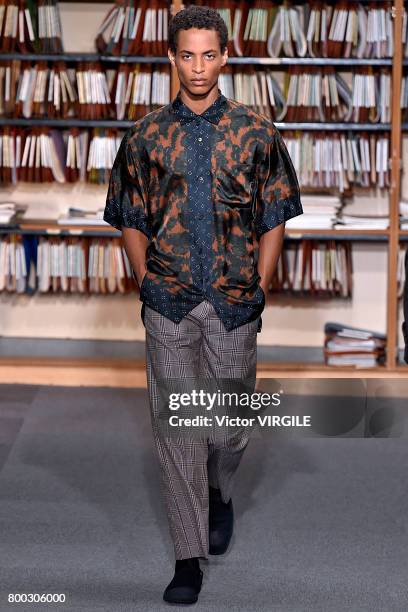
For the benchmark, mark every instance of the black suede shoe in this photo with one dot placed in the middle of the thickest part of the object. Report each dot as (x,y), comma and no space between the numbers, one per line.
(221,522)
(186,583)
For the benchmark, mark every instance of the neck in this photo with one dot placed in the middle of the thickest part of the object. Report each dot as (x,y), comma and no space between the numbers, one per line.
(199,103)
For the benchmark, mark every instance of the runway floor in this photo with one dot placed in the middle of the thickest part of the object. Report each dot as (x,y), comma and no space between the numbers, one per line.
(321,524)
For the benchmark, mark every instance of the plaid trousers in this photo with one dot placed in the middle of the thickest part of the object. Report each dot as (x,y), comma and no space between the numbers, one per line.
(197,347)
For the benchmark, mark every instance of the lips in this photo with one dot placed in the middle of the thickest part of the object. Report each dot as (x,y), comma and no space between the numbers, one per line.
(198,81)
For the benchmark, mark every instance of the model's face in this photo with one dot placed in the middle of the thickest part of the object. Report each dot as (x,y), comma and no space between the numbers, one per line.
(198,59)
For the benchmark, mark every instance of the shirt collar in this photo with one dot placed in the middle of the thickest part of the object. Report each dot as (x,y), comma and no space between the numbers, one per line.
(213,113)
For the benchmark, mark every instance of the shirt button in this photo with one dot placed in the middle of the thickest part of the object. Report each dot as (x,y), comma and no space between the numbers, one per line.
(200,139)
(201,178)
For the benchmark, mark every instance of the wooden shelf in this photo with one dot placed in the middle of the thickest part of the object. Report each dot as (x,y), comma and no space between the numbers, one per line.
(38,227)
(132,373)
(67,123)
(85,57)
(336,234)
(333,126)
(311,61)
(118,363)
(54,228)
(115,123)
(302,366)
(262,61)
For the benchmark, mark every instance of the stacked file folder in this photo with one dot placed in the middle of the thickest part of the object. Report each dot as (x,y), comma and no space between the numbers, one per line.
(311,94)
(30,26)
(319,212)
(86,91)
(79,216)
(67,264)
(9,212)
(403,215)
(43,155)
(367,210)
(353,346)
(310,29)
(362,222)
(321,269)
(131,28)
(339,160)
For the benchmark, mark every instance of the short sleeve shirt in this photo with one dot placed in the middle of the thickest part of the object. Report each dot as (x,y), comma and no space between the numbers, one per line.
(203,189)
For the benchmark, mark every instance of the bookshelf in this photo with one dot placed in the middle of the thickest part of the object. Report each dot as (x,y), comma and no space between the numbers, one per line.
(391,237)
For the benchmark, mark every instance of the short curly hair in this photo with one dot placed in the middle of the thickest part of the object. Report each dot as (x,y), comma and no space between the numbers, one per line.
(202,17)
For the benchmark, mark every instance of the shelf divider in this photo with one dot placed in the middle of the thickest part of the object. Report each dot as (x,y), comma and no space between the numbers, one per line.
(393,244)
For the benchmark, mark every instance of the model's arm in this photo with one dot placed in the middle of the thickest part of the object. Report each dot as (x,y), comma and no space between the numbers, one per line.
(270,246)
(136,243)
(278,201)
(125,203)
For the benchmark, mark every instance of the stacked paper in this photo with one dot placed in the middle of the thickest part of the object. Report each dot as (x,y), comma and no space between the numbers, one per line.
(404,215)
(8,210)
(364,212)
(353,346)
(78,216)
(319,213)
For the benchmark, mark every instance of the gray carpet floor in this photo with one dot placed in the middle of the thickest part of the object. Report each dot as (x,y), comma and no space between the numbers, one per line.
(321,524)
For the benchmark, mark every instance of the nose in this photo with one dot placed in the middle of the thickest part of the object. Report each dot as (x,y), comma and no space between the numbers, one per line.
(198,66)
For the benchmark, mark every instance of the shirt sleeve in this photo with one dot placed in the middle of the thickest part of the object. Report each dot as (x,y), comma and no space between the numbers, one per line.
(278,192)
(127,192)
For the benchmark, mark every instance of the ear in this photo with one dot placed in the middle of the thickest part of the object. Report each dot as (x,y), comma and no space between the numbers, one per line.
(171,57)
(224,57)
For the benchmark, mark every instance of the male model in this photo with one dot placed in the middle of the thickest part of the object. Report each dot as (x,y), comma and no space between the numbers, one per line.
(201,189)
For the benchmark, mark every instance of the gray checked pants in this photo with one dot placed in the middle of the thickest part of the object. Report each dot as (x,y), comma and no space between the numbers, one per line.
(197,347)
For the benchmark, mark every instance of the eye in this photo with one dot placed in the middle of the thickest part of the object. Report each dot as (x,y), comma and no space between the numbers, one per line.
(210,55)
(186,56)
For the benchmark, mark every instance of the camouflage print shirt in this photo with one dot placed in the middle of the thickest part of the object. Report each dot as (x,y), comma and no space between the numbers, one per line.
(158,186)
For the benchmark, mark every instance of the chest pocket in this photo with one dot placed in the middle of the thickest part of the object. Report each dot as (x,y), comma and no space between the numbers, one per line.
(236,183)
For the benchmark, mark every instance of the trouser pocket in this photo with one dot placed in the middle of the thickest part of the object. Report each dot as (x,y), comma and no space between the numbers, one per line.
(142,314)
